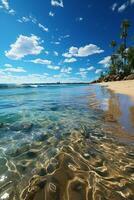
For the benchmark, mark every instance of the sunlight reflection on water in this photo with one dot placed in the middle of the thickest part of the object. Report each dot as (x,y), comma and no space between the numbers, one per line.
(63,134)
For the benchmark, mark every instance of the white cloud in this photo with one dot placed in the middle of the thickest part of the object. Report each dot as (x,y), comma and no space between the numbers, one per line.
(26,19)
(41,61)
(12,69)
(106,61)
(57,43)
(8,77)
(57,76)
(67,55)
(90,68)
(8,65)
(82,69)
(56,53)
(87,69)
(83,51)
(70,60)
(122,7)
(83,74)
(98,71)
(47,52)
(114,6)
(43,27)
(79,19)
(63,37)
(24,46)
(30,18)
(23,19)
(89,50)
(53,67)
(57,3)
(51,14)
(5,6)
(66,70)
(132,1)
(11,12)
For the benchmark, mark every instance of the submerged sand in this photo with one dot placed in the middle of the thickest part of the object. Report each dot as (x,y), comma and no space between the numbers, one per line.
(87,169)
(93,162)
(121,87)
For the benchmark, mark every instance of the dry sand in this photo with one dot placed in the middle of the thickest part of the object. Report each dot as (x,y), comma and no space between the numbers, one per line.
(121,87)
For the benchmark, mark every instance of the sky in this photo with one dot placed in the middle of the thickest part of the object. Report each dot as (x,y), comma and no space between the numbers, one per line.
(59,40)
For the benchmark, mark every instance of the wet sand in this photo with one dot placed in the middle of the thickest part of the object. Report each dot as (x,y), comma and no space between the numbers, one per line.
(121,87)
(85,170)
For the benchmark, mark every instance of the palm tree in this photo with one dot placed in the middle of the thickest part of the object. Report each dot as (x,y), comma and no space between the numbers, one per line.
(113,60)
(121,50)
(130,57)
(113,45)
(125,26)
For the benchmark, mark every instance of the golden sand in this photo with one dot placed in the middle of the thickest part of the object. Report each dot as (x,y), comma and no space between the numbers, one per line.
(121,87)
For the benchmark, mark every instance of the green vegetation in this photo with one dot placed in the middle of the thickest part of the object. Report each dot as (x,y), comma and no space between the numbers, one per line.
(122,58)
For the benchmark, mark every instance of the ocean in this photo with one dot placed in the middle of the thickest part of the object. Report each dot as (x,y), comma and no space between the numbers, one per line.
(65,141)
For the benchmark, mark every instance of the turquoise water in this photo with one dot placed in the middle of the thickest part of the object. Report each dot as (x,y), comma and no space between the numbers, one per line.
(36,122)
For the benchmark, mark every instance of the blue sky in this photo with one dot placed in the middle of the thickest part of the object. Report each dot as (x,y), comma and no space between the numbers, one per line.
(59,40)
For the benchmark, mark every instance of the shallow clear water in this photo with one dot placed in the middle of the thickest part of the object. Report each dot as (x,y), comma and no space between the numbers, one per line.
(44,126)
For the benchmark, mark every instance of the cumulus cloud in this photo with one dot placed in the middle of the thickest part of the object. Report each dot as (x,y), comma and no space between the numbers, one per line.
(5,6)
(83,51)
(57,3)
(132,1)
(41,61)
(106,61)
(24,46)
(70,60)
(53,67)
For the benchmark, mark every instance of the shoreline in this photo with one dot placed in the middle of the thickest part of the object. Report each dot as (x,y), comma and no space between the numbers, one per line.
(121,87)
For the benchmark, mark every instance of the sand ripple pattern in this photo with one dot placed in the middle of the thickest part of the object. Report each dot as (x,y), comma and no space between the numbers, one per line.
(85,169)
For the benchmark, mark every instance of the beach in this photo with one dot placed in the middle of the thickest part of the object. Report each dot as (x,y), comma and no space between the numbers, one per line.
(121,87)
